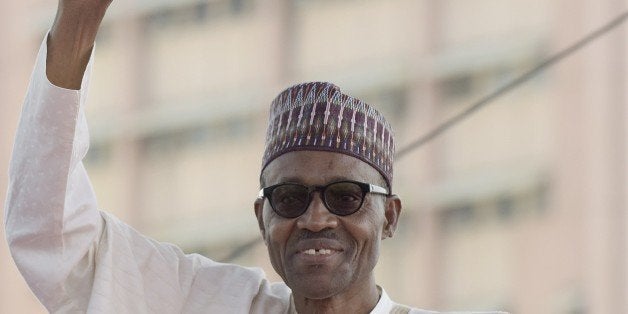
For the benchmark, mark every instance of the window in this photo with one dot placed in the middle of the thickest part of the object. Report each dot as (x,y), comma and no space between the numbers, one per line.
(98,154)
(459,216)
(199,12)
(456,87)
(392,102)
(505,207)
(171,142)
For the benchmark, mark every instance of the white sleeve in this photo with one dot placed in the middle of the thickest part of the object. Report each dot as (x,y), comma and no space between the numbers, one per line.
(51,213)
(78,259)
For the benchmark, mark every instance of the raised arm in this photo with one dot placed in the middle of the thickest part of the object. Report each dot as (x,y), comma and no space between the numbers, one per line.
(75,258)
(51,215)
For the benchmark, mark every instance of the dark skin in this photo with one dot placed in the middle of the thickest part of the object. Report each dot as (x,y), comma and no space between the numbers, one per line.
(342,281)
(71,40)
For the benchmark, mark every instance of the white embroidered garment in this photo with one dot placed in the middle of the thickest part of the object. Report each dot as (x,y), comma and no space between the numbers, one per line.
(77,259)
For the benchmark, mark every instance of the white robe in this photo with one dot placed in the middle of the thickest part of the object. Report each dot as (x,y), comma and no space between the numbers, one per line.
(78,259)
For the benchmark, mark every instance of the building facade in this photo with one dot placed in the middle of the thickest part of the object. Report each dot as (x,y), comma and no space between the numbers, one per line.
(520,207)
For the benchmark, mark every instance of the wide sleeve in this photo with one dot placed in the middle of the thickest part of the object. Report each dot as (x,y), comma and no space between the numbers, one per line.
(51,216)
(78,259)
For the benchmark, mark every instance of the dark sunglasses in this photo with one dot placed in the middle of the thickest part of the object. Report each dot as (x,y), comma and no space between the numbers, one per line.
(342,198)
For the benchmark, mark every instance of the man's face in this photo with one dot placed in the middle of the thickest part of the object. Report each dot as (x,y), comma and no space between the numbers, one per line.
(350,244)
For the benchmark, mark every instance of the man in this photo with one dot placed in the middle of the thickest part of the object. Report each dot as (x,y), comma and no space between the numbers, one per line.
(324,207)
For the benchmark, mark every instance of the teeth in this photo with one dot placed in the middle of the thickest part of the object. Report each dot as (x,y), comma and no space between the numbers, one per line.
(317,252)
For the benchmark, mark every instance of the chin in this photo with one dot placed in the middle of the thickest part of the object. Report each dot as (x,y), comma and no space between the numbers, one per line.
(316,287)
(314,293)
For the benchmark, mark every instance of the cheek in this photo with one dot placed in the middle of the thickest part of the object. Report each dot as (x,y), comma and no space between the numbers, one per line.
(372,219)
(277,234)
(366,229)
(368,248)
(372,243)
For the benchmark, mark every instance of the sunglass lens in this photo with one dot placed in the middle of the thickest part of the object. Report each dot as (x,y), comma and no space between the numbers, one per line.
(344,198)
(290,200)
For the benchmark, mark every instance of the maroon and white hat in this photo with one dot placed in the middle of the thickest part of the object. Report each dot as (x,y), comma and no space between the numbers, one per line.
(318,116)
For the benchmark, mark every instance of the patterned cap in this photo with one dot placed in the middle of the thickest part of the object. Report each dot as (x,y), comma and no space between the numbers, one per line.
(318,116)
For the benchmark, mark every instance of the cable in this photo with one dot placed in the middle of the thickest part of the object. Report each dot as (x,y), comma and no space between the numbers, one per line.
(510,85)
(449,123)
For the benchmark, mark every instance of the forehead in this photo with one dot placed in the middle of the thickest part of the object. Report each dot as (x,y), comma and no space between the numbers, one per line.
(318,167)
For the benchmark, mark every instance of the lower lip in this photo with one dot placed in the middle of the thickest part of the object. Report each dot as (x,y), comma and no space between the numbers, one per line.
(319,259)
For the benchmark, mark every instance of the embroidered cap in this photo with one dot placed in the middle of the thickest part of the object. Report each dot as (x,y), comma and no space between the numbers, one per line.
(318,116)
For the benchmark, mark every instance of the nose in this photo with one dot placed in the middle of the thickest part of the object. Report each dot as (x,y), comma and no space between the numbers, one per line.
(317,218)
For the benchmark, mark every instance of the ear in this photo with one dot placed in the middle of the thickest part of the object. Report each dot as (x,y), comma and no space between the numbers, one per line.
(391,212)
(258,206)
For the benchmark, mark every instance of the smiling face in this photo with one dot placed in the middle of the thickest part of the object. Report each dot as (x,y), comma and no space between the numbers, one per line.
(319,254)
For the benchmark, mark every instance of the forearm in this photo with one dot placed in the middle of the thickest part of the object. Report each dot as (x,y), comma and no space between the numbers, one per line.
(51,217)
(71,40)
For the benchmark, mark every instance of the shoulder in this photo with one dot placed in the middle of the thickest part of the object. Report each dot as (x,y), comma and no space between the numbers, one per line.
(386,305)
(404,309)
(400,308)
(397,308)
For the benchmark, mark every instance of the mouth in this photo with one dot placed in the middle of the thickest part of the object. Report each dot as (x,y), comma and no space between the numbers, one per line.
(318,252)
(318,257)
(314,252)
(320,246)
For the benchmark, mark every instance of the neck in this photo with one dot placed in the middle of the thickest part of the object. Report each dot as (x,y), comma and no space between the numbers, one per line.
(361,298)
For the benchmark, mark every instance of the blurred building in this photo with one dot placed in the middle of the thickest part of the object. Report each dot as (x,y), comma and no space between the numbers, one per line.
(521,207)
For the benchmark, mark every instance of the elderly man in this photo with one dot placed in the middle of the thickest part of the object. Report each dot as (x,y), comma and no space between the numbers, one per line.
(325,205)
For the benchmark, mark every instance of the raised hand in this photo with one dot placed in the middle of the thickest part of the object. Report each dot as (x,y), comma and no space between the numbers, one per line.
(71,40)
